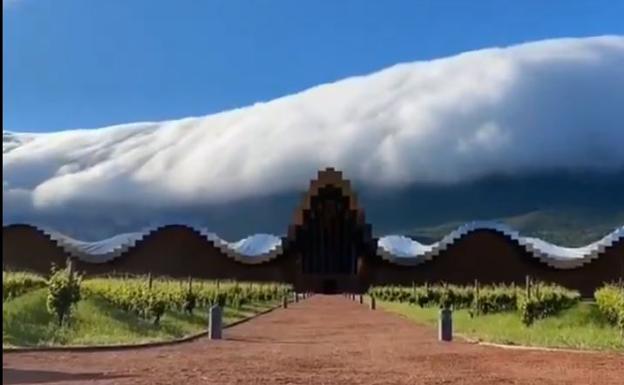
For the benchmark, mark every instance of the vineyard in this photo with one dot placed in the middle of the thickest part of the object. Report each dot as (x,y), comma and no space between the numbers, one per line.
(536,314)
(151,298)
(66,309)
(536,301)
(18,283)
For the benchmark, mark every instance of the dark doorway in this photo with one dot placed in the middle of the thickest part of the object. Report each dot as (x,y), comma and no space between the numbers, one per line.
(329,238)
(330,286)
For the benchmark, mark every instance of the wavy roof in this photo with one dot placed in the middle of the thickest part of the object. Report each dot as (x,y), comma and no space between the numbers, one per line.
(396,249)
(402,250)
(254,249)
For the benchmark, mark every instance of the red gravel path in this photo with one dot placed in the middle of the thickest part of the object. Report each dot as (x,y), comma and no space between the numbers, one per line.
(322,340)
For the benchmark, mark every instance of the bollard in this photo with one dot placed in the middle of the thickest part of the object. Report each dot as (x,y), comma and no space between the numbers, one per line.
(361,299)
(285,302)
(372,303)
(296,295)
(445,325)
(214,323)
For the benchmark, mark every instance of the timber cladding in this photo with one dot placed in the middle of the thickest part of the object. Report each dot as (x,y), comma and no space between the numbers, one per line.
(328,248)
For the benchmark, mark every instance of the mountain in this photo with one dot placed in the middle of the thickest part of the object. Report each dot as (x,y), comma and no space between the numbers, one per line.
(571,227)
(495,133)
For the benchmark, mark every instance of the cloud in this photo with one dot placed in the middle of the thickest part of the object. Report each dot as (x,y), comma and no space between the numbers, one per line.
(543,106)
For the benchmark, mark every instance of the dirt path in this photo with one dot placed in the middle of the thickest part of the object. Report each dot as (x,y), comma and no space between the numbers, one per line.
(323,340)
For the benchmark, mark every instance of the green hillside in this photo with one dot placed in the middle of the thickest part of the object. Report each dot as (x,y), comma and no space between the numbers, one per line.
(572,227)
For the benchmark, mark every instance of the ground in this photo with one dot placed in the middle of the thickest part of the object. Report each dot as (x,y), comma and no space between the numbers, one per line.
(322,340)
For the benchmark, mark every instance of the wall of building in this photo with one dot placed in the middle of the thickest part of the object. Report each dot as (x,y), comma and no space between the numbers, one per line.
(25,248)
(180,251)
(491,257)
(174,251)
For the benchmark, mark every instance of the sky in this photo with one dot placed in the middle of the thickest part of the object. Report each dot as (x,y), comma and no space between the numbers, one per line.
(84,64)
(550,107)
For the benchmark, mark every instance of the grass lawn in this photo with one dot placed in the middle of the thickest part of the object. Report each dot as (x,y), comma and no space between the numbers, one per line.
(581,327)
(26,322)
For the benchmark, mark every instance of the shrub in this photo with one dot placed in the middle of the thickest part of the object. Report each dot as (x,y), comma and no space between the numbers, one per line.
(15,284)
(190,300)
(610,301)
(447,299)
(63,293)
(547,300)
(156,306)
(494,299)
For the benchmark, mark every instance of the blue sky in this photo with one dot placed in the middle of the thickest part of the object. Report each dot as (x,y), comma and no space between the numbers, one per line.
(81,64)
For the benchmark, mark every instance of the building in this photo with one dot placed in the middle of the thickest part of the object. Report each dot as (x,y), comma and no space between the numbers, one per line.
(328,248)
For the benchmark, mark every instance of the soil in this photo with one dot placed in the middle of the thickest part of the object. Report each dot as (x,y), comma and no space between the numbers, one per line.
(321,340)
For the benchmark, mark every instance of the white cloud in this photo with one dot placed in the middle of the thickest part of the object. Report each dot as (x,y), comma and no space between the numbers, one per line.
(542,106)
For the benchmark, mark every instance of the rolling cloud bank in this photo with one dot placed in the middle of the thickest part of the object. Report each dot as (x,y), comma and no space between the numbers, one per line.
(552,106)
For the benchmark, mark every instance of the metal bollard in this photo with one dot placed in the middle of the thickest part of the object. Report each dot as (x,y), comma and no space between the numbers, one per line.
(372,303)
(296,295)
(445,325)
(285,302)
(214,323)
(361,299)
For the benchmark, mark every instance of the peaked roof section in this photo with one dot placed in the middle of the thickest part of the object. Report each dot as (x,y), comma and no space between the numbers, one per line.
(324,178)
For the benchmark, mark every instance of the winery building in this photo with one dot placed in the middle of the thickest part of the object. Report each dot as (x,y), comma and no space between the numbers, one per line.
(328,248)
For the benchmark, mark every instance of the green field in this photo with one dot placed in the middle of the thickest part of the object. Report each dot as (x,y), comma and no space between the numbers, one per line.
(124,310)
(26,322)
(580,327)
